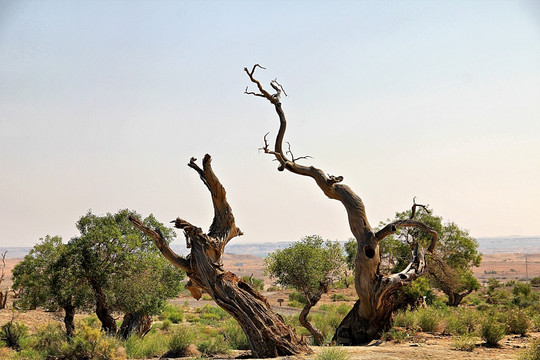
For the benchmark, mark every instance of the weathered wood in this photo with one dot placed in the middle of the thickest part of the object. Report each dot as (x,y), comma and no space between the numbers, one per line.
(266,331)
(372,312)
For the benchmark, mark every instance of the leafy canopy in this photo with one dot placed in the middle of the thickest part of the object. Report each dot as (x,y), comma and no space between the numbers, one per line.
(309,265)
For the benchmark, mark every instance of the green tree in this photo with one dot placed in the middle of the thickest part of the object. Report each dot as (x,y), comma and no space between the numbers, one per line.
(309,266)
(48,278)
(124,269)
(450,266)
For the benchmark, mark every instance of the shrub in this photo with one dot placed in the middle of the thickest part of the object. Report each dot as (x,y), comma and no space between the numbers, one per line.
(339,297)
(174,313)
(517,322)
(273,288)
(165,325)
(404,319)
(491,331)
(464,342)
(213,346)
(535,281)
(235,335)
(12,333)
(427,319)
(91,343)
(396,334)
(296,296)
(296,304)
(493,284)
(532,352)
(333,353)
(49,339)
(462,321)
(152,345)
(181,339)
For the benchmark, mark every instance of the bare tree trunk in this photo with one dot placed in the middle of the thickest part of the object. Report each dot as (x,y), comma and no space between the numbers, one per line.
(3,297)
(135,324)
(267,333)
(316,333)
(372,312)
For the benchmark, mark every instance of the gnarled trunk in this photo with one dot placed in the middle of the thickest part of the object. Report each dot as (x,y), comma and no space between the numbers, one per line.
(372,312)
(316,333)
(267,333)
(135,324)
(108,324)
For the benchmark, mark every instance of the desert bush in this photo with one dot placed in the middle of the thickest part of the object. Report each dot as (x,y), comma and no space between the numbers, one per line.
(91,343)
(180,340)
(49,340)
(273,288)
(465,342)
(165,325)
(152,345)
(341,309)
(339,297)
(235,336)
(532,352)
(333,353)
(396,334)
(427,319)
(493,284)
(462,321)
(516,321)
(492,331)
(523,295)
(213,346)
(535,281)
(11,334)
(405,319)
(174,313)
(296,304)
(296,296)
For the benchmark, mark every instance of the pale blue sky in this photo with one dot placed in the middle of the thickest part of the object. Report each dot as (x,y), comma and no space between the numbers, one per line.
(102,103)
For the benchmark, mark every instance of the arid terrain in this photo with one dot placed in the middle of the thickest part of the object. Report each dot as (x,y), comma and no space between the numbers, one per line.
(422,346)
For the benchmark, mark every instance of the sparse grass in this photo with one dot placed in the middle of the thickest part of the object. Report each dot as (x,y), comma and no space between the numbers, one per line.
(427,319)
(333,353)
(152,345)
(339,297)
(532,352)
(464,342)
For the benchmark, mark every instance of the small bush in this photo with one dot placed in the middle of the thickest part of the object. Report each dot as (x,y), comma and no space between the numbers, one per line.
(49,339)
(491,331)
(213,346)
(12,333)
(273,288)
(181,339)
(91,343)
(333,353)
(462,321)
(339,297)
(404,319)
(173,313)
(535,281)
(464,342)
(165,325)
(296,296)
(427,319)
(152,345)
(296,304)
(396,334)
(532,352)
(235,335)
(517,322)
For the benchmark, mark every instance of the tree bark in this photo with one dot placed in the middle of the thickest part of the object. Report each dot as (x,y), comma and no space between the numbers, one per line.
(135,324)
(372,313)
(108,324)
(316,333)
(267,333)
(69,317)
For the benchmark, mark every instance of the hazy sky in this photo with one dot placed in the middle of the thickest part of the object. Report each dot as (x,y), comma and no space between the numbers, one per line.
(102,104)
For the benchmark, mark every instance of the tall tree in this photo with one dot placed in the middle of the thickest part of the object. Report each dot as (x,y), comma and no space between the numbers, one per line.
(310,266)
(124,270)
(372,313)
(267,333)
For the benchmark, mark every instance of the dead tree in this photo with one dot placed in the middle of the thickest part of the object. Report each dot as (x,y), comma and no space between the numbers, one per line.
(267,333)
(372,313)
(3,296)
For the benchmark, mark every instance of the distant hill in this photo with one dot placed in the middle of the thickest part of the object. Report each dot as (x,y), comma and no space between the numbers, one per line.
(487,245)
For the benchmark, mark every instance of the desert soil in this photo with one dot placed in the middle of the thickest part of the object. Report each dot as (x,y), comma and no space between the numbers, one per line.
(423,346)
